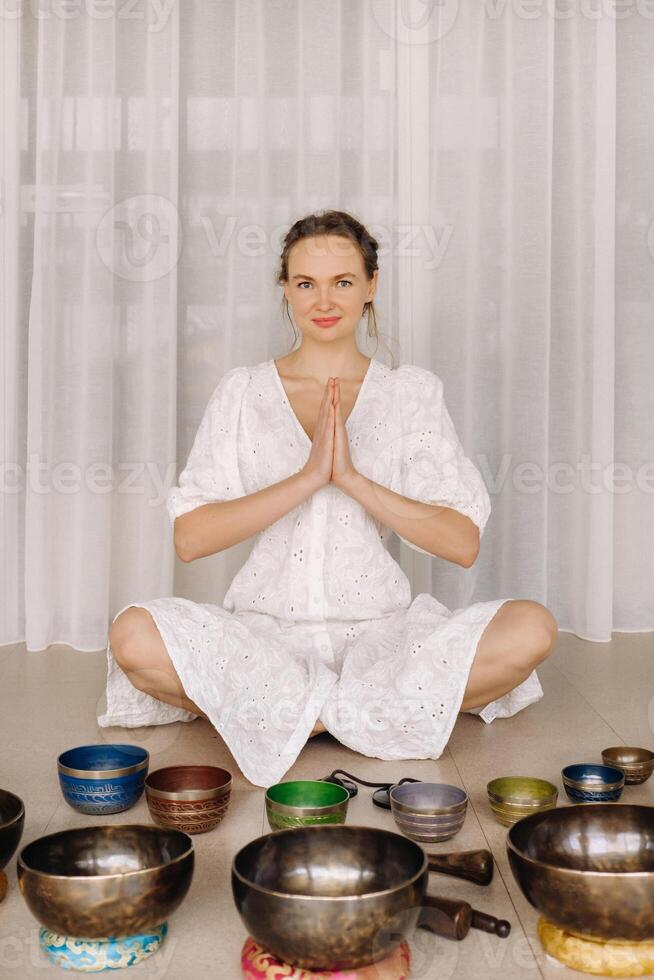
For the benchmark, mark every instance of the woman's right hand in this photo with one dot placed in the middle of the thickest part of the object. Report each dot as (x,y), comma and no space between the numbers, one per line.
(320,461)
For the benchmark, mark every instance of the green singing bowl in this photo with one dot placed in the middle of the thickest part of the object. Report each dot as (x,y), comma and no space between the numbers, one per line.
(106,881)
(513,797)
(301,803)
(589,869)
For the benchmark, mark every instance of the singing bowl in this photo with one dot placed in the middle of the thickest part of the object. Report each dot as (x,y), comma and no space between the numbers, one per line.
(330,897)
(106,882)
(12,821)
(304,802)
(101,779)
(589,869)
(514,797)
(428,812)
(587,782)
(189,798)
(637,764)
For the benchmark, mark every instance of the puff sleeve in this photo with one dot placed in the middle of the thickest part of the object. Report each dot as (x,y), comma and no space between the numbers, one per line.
(431,465)
(211,472)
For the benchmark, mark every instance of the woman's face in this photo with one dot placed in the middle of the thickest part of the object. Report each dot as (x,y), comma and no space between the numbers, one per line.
(327,278)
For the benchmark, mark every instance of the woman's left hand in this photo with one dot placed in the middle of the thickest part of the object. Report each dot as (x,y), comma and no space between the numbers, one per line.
(342,467)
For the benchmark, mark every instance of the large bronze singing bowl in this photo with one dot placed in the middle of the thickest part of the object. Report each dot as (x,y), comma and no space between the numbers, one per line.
(12,821)
(101,882)
(589,868)
(330,897)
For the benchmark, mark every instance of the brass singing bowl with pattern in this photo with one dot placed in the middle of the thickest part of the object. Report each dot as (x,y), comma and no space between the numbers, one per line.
(589,869)
(108,881)
(636,763)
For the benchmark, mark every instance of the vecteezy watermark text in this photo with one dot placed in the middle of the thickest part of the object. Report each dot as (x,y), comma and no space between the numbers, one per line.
(68,477)
(155,14)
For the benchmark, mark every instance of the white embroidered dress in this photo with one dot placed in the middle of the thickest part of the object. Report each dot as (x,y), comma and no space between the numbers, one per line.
(319,622)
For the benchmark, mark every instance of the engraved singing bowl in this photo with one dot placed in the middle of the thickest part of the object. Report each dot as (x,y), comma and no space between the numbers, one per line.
(339,897)
(12,821)
(103,779)
(637,764)
(189,798)
(589,869)
(587,782)
(109,881)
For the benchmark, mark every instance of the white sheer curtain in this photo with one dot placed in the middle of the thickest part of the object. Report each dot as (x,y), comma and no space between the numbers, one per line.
(152,161)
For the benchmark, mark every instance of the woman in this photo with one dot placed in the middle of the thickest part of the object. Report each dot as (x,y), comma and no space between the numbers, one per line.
(321,455)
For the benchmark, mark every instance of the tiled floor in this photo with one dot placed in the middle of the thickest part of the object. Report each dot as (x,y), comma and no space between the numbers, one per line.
(595,695)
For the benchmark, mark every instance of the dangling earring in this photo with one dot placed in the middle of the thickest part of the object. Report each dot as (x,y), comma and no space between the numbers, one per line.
(367,312)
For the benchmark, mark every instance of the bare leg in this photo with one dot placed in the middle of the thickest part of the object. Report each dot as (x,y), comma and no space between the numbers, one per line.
(141,653)
(519,637)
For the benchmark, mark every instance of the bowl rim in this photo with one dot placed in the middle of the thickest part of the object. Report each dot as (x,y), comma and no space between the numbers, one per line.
(191,794)
(403,807)
(429,819)
(65,770)
(329,828)
(517,799)
(634,769)
(529,807)
(593,787)
(407,813)
(6,824)
(287,810)
(291,809)
(521,801)
(613,784)
(512,846)
(22,865)
(639,748)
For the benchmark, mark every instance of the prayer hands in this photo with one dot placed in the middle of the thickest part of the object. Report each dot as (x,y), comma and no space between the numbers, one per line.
(329,459)
(342,465)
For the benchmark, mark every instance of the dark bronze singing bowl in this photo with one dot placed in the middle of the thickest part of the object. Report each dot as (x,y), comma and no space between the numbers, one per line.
(101,882)
(339,896)
(589,868)
(12,821)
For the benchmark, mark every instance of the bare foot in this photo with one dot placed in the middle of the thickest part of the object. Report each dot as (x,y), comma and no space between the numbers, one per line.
(317,729)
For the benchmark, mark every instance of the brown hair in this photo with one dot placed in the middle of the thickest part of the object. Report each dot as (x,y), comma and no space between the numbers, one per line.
(332,223)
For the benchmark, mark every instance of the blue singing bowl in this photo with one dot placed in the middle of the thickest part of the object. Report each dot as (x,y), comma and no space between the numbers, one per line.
(101,779)
(586,782)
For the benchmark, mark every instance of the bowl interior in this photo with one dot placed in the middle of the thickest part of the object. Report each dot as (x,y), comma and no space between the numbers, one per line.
(594,837)
(174,779)
(102,757)
(11,807)
(331,861)
(628,755)
(307,793)
(92,851)
(426,797)
(591,774)
(519,789)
